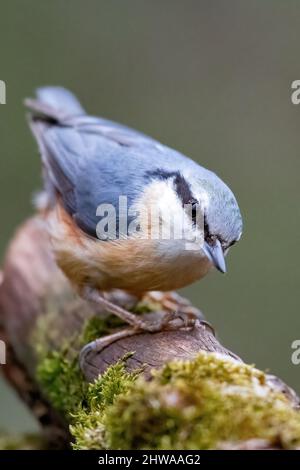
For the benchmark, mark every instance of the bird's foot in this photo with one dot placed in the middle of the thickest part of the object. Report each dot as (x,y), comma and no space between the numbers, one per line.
(175,320)
(173,302)
(99,344)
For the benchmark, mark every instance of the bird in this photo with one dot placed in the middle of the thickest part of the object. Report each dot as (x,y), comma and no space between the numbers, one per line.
(89,165)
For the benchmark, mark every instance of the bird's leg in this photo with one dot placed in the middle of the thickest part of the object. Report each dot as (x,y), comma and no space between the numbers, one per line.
(99,344)
(93,295)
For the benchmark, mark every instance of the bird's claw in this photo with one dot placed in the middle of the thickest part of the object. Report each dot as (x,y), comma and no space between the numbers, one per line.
(172,320)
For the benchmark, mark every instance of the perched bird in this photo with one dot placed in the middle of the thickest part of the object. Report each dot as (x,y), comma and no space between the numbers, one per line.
(89,163)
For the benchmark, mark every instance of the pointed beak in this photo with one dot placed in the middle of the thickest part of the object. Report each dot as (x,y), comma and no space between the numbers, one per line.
(215,254)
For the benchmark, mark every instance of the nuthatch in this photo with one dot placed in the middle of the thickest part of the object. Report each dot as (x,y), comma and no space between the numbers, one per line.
(90,162)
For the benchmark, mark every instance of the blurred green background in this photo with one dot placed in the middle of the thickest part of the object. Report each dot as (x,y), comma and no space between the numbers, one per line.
(209,78)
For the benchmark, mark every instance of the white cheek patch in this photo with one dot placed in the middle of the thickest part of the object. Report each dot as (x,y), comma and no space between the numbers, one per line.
(163,217)
(152,209)
(160,211)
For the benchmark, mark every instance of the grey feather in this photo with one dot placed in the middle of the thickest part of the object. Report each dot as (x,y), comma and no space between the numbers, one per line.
(60,99)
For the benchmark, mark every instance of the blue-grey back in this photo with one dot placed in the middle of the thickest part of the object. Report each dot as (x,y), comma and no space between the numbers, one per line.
(91,169)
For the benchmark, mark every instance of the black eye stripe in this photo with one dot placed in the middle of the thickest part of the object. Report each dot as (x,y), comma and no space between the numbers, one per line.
(194,210)
(183,189)
(181,185)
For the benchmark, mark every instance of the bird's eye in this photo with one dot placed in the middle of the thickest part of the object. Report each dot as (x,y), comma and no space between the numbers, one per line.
(211,239)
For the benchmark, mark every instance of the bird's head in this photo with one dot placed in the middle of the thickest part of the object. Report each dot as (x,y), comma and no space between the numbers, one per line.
(222,219)
(206,207)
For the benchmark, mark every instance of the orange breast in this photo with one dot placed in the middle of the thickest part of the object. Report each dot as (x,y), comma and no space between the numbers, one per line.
(134,265)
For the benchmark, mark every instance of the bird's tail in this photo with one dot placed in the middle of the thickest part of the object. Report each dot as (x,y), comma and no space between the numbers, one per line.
(53,104)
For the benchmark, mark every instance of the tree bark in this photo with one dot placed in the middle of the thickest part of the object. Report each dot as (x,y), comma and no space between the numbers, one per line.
(33,290)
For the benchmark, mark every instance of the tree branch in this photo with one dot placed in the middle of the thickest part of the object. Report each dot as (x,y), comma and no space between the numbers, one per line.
(45,324)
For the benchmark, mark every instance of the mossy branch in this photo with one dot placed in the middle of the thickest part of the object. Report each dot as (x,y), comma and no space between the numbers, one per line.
(174,389)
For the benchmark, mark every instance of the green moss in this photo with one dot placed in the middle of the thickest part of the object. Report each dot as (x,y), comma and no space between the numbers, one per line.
(146,307)
(98,326)
(211,367)
(47,332)
(89,425)
(62,381)
(115,381)
(200,404)
(57,368)
(197,404)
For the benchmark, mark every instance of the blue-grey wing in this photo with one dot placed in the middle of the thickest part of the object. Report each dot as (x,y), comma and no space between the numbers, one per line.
(91,161)
(88,170)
